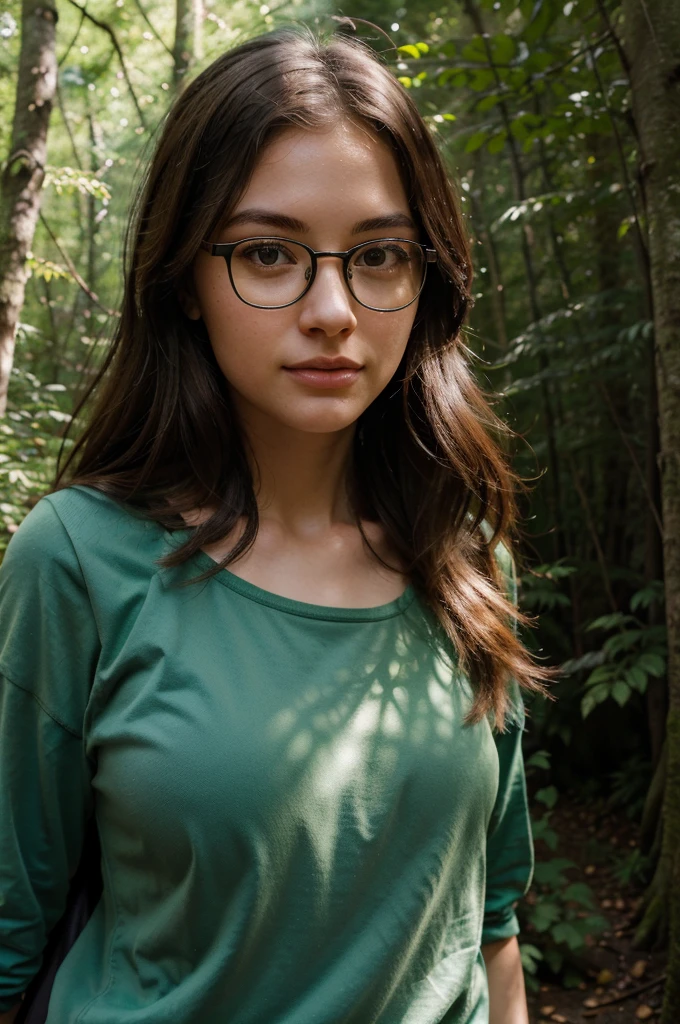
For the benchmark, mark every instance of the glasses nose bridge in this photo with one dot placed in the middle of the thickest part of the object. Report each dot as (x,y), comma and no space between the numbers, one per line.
(320,253)
(324,254)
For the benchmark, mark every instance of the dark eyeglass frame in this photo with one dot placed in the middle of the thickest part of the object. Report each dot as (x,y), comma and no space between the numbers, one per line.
(226,249)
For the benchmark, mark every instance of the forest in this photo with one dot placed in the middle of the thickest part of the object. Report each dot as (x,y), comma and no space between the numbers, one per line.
(560,123)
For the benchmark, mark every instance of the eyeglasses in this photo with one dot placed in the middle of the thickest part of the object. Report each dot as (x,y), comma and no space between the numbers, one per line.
(269,272)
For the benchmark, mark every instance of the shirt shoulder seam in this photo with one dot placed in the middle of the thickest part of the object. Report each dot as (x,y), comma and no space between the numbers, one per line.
(39,702)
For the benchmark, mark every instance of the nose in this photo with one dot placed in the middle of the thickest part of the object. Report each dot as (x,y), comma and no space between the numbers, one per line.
(328,305)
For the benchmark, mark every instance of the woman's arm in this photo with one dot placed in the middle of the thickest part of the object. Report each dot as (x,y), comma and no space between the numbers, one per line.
(507,998)
(49,647)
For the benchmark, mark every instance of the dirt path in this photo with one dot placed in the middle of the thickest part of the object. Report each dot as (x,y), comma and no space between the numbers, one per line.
(603,847)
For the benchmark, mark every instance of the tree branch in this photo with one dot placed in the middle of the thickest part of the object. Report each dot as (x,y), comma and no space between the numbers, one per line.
(626,995)
(116,45)
(72,269)
(143,13)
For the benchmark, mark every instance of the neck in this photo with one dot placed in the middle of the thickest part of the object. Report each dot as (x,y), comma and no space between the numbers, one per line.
(300,478)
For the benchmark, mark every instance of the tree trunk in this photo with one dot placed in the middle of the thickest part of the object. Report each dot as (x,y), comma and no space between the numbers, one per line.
(653,47)
(23,176)
(188,39)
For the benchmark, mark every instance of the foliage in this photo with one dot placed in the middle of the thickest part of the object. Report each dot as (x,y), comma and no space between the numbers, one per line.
(29,444)
(560,913)
(632,654)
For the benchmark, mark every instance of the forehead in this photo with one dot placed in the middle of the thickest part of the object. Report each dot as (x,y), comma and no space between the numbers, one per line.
(340,166)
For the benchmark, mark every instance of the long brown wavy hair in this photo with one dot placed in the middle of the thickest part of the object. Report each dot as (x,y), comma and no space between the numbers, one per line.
(162,435)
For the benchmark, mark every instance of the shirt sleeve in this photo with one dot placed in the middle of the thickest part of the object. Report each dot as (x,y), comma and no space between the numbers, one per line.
(48,652)
(509,847)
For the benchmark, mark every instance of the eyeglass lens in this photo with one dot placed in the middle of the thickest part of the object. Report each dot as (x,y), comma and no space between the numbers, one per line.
(272,272)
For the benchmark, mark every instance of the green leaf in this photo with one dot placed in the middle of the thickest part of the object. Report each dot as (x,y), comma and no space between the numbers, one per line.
(654,591)
(475,51)
(624,227)
(601,674)
(652,664)
(579,892)
(636,678)
(405,81)
(503,48)
(541,831)
(475,142)
(621,692)
(622,641)
(541,759)
(551,872)
(608,622)
(542,17)
(544,915)
(569,934)
(423,47)
(538,61)
(594,697)
(530,956)
(410,51)
(481,80)
(496,144)
(488,103)
(548,796)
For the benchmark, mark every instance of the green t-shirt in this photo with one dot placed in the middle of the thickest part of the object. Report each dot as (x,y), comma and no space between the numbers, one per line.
(296,825)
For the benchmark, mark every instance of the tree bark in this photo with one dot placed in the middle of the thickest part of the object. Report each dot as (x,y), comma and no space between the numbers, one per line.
(652,38)
(188,43)
(23,175)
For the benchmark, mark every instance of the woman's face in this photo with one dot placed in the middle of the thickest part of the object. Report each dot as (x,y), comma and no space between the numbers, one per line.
(322,188)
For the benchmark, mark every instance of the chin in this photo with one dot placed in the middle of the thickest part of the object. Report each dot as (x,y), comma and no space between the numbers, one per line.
(334,417)
(321,424)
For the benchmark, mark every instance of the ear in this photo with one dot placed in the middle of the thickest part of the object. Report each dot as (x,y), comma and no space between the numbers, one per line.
(186,296)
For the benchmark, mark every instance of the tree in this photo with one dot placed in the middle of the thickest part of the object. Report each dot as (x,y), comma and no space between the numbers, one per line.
(25,169)
(652,35)
(188,38)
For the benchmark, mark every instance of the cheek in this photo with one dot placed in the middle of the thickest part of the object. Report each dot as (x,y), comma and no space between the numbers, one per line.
(244,348)
(389,338)
(243,338)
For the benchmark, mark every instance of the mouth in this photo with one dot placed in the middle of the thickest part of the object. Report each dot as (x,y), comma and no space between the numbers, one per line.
(325,363)
(325,372)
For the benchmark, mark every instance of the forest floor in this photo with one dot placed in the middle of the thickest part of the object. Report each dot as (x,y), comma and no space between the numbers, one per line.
(620,983)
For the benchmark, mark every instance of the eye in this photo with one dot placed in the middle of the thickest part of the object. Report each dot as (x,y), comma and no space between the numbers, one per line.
(267,254)
(383,257)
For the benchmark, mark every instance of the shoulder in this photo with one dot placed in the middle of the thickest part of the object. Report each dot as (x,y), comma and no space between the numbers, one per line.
(40,542)
(81,532)
(89,514)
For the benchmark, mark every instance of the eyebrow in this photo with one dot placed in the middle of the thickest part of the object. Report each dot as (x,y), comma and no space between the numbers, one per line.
(284,223)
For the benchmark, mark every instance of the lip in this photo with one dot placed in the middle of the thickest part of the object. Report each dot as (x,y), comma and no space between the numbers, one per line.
(325,363)
(325,378)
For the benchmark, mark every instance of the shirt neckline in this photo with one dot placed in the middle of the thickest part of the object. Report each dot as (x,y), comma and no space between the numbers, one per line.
(267,597)
(330,613)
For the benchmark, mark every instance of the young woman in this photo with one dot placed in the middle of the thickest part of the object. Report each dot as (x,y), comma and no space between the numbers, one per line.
(262,627)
